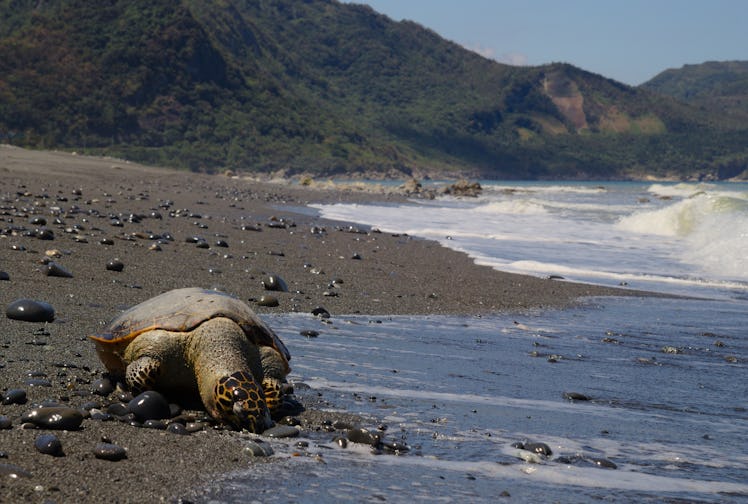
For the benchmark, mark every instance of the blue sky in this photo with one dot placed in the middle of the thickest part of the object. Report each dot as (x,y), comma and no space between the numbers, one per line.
(627,40)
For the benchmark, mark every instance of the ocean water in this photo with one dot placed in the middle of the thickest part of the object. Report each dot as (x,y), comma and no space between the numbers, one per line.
(665,415)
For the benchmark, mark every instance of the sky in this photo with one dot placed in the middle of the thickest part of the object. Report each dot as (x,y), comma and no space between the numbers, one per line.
(627,40)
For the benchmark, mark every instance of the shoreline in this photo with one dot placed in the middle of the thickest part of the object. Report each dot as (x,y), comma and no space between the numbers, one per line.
(176,229)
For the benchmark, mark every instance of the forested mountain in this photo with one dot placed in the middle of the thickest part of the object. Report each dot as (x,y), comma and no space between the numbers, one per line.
(327,88)
(715,85)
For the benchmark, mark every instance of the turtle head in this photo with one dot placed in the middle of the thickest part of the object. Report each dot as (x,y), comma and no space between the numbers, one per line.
(240,402)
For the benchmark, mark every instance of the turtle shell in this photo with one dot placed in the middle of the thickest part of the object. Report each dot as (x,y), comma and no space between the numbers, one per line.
(182,310)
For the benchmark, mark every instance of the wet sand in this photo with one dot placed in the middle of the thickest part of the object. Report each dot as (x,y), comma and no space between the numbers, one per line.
(245,231)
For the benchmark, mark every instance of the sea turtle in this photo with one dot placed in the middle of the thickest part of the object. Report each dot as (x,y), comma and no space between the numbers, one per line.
(189,341)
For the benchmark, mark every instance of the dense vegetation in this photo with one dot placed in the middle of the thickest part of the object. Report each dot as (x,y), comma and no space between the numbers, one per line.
(327,88)
(714,85)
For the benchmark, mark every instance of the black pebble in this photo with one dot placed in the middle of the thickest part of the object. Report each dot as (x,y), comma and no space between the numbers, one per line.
(321,312)
(363,436)
(49,444)
(55,270)
(149,405)
(155,424)
(576,396)
(5,422)
(54,417)
(309,333)
(14,396)
(4,275)
(539,448)
(177,428)
(29,310)
(103,386)
(115,265)
(274,283)
(109,451)
(268,301)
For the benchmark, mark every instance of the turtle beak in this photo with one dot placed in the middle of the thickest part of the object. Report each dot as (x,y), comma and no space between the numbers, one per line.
(253,423)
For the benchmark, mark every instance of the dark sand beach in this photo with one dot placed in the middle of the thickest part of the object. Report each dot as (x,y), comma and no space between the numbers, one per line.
(99,209)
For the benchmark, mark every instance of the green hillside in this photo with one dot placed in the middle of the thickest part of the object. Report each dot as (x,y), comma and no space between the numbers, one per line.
(327,88)
(715,85)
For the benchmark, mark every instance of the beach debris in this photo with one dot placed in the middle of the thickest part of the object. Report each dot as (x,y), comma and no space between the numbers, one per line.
(30,310)
(49,444)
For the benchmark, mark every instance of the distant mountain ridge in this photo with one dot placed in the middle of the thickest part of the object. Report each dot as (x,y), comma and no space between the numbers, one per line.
(327,88)
(716,85)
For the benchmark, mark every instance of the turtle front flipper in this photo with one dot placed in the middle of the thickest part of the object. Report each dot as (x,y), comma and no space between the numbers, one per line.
(142,373)
(274,368)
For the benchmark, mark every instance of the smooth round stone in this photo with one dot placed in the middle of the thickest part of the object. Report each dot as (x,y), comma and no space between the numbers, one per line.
(155,424)
(281,431)
(4,276)
(5,422)
(321,312)
(603,463)
(103,386)
(269,301)
(115,265)
(54,417)
(117,409)
(109,451)
(258,449)
(539,448)
(14,396)
(274,283)
(14,471)
(363,436)
(48,444)
(150,405)
(29,310)
(45,234)
(177,428)
(55,270)
(395,446)
(576,396)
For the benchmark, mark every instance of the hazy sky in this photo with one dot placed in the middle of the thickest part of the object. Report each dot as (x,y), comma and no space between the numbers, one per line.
(627,40)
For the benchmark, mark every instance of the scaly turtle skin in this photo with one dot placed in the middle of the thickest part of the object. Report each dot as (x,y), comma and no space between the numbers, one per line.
(196,340)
